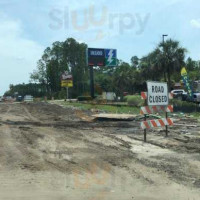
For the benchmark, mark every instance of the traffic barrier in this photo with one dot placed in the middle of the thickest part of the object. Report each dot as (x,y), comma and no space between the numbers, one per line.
(155,109)
(145,110)
(156,123)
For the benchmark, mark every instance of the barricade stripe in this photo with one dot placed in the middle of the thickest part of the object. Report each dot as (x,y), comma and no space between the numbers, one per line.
(170,122)
(154,123)
(161,121)
(146,124)
(154,109)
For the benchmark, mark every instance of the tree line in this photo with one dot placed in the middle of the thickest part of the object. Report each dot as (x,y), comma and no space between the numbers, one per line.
(162,64)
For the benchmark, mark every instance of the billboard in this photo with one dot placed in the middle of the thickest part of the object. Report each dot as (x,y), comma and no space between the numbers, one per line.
(102,57)
(110,57)
(96,57)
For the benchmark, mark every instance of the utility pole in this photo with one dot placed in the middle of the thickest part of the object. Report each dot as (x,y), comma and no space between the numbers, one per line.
(164,35)
(166,115)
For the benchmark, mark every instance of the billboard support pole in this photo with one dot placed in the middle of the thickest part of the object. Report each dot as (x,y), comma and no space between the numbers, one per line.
(67,92)
(91,81)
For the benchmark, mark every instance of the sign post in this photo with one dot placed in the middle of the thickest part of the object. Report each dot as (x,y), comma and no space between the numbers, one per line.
(92,82)
(157,99)
(67,92)
(100,57)
(66,82)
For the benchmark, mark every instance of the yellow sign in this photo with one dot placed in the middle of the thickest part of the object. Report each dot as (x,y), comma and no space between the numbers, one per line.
(66,83)
(183,72)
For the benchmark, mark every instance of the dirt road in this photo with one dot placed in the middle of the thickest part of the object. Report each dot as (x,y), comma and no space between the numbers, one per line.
(50,152)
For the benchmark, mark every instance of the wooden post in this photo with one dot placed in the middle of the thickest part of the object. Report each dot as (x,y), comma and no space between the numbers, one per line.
(166,126)
(145,119)
(145,130)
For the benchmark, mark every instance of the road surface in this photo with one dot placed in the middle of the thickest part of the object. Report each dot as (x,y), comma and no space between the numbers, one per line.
(51,152)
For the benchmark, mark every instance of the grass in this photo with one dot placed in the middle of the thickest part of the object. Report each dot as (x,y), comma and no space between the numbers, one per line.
(121,109)
(195,115)
(105,108)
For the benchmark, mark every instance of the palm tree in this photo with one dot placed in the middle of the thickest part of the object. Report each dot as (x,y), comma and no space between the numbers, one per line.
(172,56)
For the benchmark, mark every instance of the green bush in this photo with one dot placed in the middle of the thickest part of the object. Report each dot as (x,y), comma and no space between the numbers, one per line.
(84,98)
(134,100)
(62,94)
(184,106)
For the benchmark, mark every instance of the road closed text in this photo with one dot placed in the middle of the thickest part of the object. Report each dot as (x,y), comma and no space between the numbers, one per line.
(157,93)
(157,99)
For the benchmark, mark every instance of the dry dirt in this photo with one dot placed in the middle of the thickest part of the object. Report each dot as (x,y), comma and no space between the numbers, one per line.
(50,152)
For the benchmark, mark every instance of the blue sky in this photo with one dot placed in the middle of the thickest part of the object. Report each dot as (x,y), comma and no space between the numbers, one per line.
(133,27)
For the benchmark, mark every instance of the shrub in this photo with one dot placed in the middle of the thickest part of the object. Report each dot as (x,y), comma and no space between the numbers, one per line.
(184,106)
(62,94)
(134,100)
(84,98)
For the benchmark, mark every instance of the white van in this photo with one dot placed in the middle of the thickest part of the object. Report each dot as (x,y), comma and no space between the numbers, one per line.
(28,98)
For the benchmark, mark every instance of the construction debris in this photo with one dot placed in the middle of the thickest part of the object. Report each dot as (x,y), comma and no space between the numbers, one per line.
(115,117)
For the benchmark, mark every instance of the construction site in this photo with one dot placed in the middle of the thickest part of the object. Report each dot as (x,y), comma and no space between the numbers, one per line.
(48,151)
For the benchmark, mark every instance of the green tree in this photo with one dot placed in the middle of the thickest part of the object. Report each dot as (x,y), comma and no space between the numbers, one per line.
(62,56)
(173,56)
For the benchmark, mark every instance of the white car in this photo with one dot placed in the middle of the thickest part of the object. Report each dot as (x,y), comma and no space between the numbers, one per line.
(179,91)
(180,94)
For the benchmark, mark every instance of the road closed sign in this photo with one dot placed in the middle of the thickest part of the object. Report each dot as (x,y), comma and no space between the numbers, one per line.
(157,94)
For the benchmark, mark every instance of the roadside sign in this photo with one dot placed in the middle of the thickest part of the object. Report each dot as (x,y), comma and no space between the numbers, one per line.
(66,80)
(96,57)
(157,94)
(110,57)
(102,57)
(66,83)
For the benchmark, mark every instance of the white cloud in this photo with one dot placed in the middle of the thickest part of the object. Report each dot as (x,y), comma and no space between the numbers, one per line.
(195,23)
(18,55)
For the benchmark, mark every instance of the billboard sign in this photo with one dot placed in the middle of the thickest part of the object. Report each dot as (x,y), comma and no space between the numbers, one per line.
(110,57)
(96,57)
(102,57)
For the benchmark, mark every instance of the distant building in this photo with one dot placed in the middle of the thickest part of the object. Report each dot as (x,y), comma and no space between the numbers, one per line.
(178,86)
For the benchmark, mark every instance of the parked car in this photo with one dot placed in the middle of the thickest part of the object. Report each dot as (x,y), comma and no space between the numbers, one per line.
(19,98)
(196,97)
(179,91)
(1,99)
(28,98)
(180,94)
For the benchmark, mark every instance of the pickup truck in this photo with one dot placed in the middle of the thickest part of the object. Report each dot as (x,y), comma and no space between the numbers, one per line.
(180,94)
(196,97)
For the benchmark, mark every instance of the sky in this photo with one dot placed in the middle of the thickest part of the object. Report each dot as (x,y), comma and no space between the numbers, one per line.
(133,27)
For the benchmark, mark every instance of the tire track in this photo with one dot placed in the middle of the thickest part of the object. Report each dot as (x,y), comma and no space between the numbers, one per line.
(30,115)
